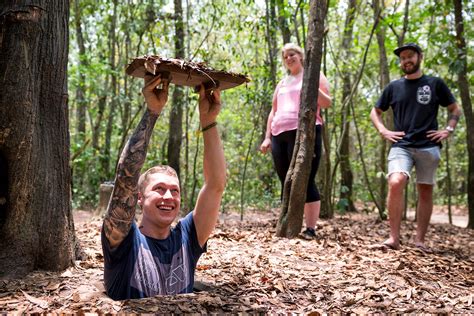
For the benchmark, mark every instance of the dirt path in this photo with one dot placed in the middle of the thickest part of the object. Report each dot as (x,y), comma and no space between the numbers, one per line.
(459,215)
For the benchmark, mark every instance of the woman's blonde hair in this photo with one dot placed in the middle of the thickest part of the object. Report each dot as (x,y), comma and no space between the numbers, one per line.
(293,47)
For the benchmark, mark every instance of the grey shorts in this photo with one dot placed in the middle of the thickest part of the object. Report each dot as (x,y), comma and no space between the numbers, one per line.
(425,160)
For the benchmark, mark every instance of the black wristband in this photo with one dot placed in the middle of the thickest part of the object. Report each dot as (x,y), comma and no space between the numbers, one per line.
(205,128)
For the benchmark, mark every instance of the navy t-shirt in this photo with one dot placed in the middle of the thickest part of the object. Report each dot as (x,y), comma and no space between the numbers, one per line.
(142,266)
(415,104)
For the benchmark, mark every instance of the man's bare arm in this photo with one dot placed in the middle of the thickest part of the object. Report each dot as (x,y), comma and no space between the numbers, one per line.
(208,202)
(454,114)
(376,117)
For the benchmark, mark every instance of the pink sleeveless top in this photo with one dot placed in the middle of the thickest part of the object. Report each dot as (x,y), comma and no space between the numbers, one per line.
(286,100)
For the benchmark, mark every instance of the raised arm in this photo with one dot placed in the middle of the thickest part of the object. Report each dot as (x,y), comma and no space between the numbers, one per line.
(208,202)
(121,209)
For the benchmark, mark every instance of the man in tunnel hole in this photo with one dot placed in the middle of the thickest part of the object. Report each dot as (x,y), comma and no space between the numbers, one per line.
(153,258)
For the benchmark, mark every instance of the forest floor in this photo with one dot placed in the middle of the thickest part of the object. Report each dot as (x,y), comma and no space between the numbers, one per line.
(249,270)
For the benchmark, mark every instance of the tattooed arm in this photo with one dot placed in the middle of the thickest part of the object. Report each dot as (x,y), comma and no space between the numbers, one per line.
(121,209)
(454,115)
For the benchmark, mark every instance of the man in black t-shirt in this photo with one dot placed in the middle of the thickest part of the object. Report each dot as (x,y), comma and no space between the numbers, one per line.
(415,99)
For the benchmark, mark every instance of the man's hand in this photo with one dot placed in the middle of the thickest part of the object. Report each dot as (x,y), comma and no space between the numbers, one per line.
(155,98)
(437,136)
(391,135)
(376,117)
(209,105)
(265,146)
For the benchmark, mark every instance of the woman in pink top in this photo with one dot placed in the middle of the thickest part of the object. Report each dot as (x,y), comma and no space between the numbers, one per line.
(282,125)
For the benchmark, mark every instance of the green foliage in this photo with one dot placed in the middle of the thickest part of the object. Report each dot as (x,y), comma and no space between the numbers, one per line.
(233,35)
(342,205)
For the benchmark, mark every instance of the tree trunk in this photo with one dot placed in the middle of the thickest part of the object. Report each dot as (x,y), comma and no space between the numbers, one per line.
(112,41)
(449,190)
(127,92)
(302,15)
(401,38)
(467,106)
(126,106)
(176,115)
(80,93)
(270,82)
(324,176)
(384,76)
(98,119)
(344,153)
(295,23)
(36,226)
(272,57)
(296,182)
(283,22)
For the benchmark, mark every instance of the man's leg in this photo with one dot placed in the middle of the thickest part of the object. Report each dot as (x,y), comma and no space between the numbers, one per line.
(425,208)
(427,161)
(395,204)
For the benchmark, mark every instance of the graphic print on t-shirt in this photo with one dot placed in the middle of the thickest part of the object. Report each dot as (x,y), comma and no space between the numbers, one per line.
(423,94)
(153,277)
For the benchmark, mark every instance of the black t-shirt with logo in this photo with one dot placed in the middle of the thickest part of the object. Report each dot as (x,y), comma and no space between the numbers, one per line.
(415,104)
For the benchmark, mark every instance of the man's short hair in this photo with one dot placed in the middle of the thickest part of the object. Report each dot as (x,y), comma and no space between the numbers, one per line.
(164,169)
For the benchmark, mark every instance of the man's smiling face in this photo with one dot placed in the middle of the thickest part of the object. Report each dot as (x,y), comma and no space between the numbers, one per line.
(410,61)
(160,200)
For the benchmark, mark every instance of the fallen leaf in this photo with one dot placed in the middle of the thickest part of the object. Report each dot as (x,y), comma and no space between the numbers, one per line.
(52,286)
(400,265)
(280,286)
(37,301)
(67,274)
(76,297)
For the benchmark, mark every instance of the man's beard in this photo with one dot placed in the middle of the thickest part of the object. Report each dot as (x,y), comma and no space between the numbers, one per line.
(413,69)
